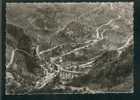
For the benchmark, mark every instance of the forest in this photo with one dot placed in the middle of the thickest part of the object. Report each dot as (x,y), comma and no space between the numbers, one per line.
(69,48)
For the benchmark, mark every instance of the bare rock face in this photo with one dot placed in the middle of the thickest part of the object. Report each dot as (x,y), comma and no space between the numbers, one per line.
(69,48)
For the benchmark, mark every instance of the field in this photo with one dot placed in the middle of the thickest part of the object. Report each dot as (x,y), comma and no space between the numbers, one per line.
(73,48)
